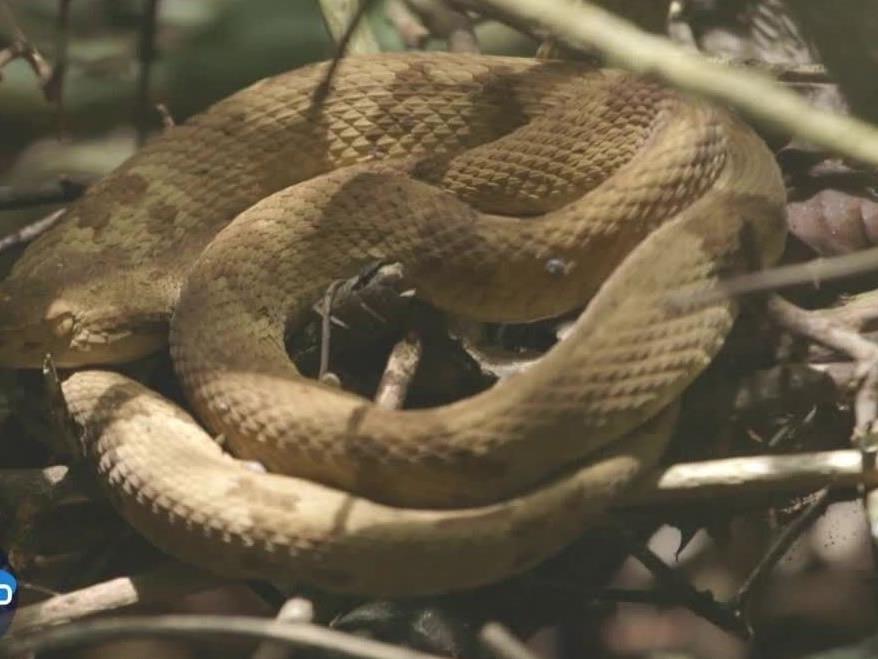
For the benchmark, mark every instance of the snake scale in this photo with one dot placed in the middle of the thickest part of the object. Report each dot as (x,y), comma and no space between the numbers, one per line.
(509,189)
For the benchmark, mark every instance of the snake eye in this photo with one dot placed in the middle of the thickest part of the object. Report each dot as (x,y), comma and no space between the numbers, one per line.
(62,324)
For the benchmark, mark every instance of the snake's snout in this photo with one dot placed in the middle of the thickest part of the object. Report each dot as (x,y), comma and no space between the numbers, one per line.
(32,325)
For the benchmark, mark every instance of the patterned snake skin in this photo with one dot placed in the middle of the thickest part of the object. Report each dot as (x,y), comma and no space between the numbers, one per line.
(509,189)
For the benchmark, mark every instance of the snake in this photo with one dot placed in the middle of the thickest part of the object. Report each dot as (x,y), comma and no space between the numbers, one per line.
(510,189)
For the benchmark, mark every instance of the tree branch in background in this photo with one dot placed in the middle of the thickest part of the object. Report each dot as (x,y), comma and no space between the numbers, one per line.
(164,583)
(146,53)
(346,22)
(60,191)
(31,231)
(200,626)
(22,48)
(584,26)
(500,642)
(444,22)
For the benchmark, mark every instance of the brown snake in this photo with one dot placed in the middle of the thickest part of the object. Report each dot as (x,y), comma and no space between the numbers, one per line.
(509,189)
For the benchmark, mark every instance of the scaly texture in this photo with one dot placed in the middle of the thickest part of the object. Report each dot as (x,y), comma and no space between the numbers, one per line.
(509,189)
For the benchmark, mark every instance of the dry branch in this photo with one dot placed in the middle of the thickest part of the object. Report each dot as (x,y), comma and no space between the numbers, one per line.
(55,192)
(146,52)
(583,26)
(758,476)
(398,374)
(502,644)
(199,626)
(162,584)
(339,16)
(444,22)
(778,550)
(296,609)
(31,231)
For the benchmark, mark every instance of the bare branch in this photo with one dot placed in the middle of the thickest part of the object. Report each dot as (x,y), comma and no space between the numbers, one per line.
(57,192)
(197,626)
(445,22)
(398,374)
(31,231)
(165,583)
(146,52)
(779,548)
(22,48)
(295,609)
(346,22)
(582,25)
(502,644)
(742,478)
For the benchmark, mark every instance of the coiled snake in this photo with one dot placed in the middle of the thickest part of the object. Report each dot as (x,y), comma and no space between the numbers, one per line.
(509,189)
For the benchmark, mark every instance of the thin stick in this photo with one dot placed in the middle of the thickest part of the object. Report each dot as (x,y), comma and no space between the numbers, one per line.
(583,26)
(825,330)
(345,20)
(779,548)
(733,478)
(699,602)
(31,231)
(54,86)
(166,583)
(198,626)
(445,22)
(822,329)
(813,272)
(146,53)
(22,48)
(502,644)
(295,609)
(326,328)
(401,367)
(60,191)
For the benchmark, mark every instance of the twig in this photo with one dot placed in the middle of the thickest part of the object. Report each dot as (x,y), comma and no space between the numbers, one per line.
(165,114)
(296,609)
(813,272)
(31,231)
(584,26)
(734,478)
(413,32)
(823,329)
(839,337)
(502,644)
(401,367)
(345,20)
(22,48)
(198,626)
(818,327)
(326,328)
(33,486)
(445,22)
(778,550)
(146,53)
(53,87)
(166,583)
(57,192)
(700,602)
(65,429)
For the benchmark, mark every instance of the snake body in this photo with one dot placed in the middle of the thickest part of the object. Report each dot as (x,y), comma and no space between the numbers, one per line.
(509,189)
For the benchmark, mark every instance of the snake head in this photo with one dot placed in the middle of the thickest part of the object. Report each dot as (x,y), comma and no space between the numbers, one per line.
(33,323)
(37,319)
